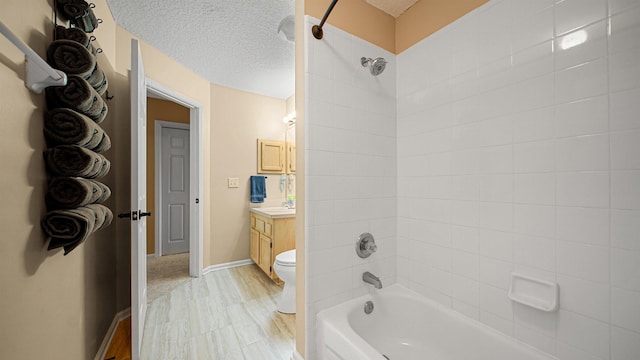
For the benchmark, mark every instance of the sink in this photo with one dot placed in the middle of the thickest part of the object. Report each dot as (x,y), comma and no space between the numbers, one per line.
(275,211)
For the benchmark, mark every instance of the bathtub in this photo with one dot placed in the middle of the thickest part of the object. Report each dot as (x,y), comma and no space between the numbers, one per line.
(407,326)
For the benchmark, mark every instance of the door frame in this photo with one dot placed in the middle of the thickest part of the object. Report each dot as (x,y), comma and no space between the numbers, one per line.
(158,126)
(196,171)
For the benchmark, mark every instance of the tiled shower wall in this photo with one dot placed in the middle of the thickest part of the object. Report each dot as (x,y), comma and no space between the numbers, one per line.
(519,151)
(351,177)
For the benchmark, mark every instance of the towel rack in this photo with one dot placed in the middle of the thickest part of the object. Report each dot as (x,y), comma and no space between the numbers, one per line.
(39,74)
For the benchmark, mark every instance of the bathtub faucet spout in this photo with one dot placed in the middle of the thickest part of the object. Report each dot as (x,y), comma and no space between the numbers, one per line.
(369,278)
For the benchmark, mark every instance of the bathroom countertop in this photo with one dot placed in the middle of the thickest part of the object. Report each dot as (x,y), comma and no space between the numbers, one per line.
(275,212)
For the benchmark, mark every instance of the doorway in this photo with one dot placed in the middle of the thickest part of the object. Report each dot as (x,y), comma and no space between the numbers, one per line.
(174,153)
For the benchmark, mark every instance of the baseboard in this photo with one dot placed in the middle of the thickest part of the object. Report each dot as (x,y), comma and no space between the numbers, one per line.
(109,335)
(296,356)
(228,265)
(151,256)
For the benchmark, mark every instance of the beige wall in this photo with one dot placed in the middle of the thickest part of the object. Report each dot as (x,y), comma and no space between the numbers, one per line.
(358,18)
(239,119)
(428,16)
(167,72)
(394,35)
(52,306)
(164,110)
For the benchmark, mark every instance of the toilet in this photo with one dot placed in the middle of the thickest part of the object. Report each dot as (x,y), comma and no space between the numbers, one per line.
(285,268)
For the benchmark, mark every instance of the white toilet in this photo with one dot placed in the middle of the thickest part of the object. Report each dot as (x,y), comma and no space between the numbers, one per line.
(285,268)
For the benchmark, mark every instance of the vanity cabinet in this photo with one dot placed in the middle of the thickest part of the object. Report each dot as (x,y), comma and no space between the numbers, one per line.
(271,157)
(269,237)
(291,158)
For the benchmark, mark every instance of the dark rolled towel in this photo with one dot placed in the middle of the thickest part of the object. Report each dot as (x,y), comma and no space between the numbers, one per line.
(79,96)
(63,126)
(77,35)
(73,160)
(102,88)
(102,217)
(71,192)
(96,79)
(105,192)
(69,227)
(71,57)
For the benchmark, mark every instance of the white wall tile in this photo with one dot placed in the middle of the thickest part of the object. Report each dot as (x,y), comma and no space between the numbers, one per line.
(496,216)
(624,109)
(625,192)
(537,124)
(583,225)
(586,334)
(583,117)
(537,252)
(533,30)
(495,272)
(625,227)
(581,46)
(624,309)
(535,220)
(587,262)
(496,187)
(464,238)
(625,147)
(589,189)
(537,188)
(538,156)
(573,14)
(465,264)
(624,70)
(625,269)
(624,30)
(625,345)
(496,244)
(582,81)
(589,152)
(585,297)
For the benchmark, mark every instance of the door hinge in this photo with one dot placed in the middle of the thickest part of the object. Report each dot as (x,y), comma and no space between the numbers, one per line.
(269,268)
(271,245)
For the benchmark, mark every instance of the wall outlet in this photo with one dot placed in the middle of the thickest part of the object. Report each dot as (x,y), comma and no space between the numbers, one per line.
(234,182)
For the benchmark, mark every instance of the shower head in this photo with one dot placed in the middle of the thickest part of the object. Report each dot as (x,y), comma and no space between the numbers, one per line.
(375,66)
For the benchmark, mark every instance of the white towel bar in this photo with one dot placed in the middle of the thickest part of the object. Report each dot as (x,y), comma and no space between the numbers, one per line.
(39,74)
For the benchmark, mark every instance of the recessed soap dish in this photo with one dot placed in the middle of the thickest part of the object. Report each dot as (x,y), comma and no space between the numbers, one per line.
(536,293)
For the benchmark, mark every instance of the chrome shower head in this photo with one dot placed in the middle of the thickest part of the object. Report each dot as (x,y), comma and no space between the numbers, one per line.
(375,66)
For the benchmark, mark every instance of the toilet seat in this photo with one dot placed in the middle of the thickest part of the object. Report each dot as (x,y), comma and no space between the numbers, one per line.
(287,258)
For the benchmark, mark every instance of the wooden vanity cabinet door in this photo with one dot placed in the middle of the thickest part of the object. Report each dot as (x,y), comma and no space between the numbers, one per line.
(265,254)
(254,246)
(271,157)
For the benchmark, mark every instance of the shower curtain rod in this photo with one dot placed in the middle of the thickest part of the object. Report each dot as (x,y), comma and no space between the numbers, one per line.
(316,30)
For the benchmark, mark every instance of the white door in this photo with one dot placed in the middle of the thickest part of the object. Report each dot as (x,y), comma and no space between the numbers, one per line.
(174,190)
(138,199)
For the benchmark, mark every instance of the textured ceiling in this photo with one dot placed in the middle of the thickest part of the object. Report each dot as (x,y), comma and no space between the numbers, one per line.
(232,43)
(394,8)
(229,42)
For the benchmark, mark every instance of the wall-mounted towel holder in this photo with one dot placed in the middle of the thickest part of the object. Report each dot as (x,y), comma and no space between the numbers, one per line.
(39,74)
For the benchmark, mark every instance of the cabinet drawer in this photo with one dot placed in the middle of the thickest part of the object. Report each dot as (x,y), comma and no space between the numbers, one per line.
(259,225)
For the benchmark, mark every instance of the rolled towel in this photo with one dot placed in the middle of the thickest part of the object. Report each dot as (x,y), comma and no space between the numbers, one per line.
(96,79)
(105,192)
(64,126)
(77,35)
(71,57)
(102,88)
(73,160)
(69,227)
(79,96)
(103,218)
(72,192)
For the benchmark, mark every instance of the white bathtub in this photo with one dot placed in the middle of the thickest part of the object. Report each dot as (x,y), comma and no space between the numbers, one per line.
(407,326)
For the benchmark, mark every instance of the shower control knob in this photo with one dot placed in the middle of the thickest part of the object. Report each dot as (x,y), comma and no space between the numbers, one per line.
(365,245)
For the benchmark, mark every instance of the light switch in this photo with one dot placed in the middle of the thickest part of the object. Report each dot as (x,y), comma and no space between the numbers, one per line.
(234,182)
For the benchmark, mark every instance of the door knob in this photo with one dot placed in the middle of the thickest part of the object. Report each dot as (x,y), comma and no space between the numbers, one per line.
(124,215)
(142,213)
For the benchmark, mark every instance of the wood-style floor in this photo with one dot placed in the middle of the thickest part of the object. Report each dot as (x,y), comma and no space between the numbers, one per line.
(226,314)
